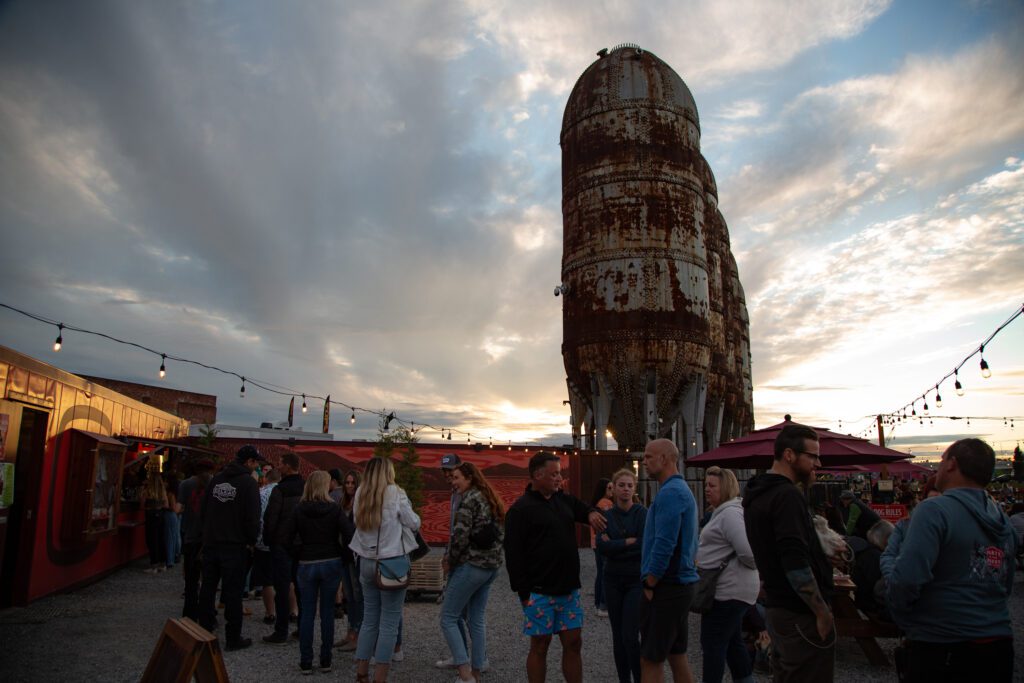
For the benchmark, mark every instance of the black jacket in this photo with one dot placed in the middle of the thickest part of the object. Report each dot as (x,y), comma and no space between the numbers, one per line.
(540,543)
(283,500)
(620,559)
(230,511)
(783,538)
(319,530)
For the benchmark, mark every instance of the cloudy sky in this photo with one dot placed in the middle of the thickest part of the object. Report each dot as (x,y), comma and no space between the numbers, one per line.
(363,199)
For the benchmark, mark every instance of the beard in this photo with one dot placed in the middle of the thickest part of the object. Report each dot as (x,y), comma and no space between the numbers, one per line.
(805,478)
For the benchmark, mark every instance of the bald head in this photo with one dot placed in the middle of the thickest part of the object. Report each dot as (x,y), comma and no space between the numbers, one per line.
(661,459)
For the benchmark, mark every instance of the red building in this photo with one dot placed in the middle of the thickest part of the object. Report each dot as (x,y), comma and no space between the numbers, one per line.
(65,518)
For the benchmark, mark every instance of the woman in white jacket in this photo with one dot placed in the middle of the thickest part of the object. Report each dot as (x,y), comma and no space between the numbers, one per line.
(724,540)
(385,527)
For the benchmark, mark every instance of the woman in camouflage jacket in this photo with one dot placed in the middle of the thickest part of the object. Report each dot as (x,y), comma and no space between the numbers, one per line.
(474,558)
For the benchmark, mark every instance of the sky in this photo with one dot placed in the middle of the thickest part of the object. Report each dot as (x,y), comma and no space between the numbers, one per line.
(364,200)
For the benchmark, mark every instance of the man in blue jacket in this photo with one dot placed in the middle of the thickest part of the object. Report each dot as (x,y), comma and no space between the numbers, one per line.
(949,586)
(667,567)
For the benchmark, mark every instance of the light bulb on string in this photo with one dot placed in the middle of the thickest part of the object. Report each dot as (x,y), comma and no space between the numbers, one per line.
(985,372)
(467,439)
(510,445)
(913,409)
(938,397)
(59,341)
(352,420)
(956,384)
(163,368)
(490,442)
(241,392)
(925,405)
(449,435)
(304,408)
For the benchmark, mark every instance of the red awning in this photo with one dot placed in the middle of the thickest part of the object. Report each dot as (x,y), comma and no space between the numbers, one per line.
(756,450)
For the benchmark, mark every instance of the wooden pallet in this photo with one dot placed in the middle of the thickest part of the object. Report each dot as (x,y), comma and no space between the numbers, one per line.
(427,575)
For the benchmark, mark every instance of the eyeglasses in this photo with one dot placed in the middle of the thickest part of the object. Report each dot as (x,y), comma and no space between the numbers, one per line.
(813,456)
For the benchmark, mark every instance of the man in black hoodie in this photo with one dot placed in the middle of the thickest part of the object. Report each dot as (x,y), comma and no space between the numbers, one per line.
(280,508)
(230,517)
(796,572)
(543,564)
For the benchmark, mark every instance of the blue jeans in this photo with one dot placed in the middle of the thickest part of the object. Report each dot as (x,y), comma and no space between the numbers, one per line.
(468,587)
(353,595)
(721,639)
(622,593)
(599,598)
(382,612)
(317,581)
(172,537)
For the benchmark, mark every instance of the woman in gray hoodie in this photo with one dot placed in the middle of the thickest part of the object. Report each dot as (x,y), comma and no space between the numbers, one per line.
(724,541)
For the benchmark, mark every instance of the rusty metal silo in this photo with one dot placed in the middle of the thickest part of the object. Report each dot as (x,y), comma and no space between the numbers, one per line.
(636,311)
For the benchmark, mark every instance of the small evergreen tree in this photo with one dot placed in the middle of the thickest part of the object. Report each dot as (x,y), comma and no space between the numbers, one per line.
(207,434)
(399,444)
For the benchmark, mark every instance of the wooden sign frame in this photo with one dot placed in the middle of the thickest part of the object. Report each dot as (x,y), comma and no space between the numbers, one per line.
(183,651)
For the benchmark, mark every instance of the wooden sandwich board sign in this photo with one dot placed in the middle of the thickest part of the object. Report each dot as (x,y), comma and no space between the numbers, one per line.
(184,650)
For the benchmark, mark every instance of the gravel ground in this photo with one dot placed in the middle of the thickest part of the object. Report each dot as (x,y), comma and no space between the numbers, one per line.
(106,632)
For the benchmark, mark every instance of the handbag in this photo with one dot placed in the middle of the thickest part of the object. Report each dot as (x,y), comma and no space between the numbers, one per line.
(704,593)
(392,573)
(421,549)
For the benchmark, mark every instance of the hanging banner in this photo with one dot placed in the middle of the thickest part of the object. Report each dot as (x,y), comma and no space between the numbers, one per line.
(291,411)
(327,412)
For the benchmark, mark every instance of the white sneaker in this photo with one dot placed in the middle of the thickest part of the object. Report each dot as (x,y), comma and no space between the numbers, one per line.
(445,663)
(602,612)
(398,656)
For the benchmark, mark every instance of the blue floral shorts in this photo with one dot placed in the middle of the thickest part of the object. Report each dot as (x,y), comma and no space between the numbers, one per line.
(548,614)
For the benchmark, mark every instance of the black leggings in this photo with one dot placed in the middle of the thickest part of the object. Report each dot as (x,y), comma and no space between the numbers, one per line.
(155,537)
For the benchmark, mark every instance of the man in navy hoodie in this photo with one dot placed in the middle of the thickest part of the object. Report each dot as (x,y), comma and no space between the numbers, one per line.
(949,587)
(230,517)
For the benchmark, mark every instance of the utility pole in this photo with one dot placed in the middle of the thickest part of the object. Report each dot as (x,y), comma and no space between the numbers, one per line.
(881,431)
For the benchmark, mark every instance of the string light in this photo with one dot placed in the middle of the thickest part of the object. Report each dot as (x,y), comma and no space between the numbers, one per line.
(59,341)
(925,398)
(956,385)
(352,420)
(163,368)
(241,392)
(490,442)
(938,397)
(985,372)
(304,408)
(510,445)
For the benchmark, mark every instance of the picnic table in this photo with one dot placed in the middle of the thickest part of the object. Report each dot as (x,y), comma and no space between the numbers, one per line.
(852,623)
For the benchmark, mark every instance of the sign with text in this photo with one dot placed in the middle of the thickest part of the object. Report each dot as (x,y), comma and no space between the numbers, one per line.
(891,513)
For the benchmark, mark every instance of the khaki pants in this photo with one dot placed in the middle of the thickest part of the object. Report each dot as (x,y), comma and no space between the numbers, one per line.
(799,654)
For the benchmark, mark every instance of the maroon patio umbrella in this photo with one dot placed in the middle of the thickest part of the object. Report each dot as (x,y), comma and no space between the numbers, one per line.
(756,450)
(905,468)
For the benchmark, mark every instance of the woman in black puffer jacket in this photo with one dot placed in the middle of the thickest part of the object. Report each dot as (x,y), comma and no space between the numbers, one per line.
(318,527)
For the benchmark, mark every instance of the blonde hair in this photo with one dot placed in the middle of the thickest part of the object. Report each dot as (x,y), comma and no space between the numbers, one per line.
(379,474)
(317,487)
(728,486)
(624,472)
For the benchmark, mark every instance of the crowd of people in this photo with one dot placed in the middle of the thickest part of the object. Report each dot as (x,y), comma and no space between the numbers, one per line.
(757,568)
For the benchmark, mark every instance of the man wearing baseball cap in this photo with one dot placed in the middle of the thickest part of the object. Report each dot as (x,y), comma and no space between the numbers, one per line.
(230,515)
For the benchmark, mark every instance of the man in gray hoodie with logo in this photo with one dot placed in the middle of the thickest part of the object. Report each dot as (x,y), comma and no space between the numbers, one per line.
(949,586)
